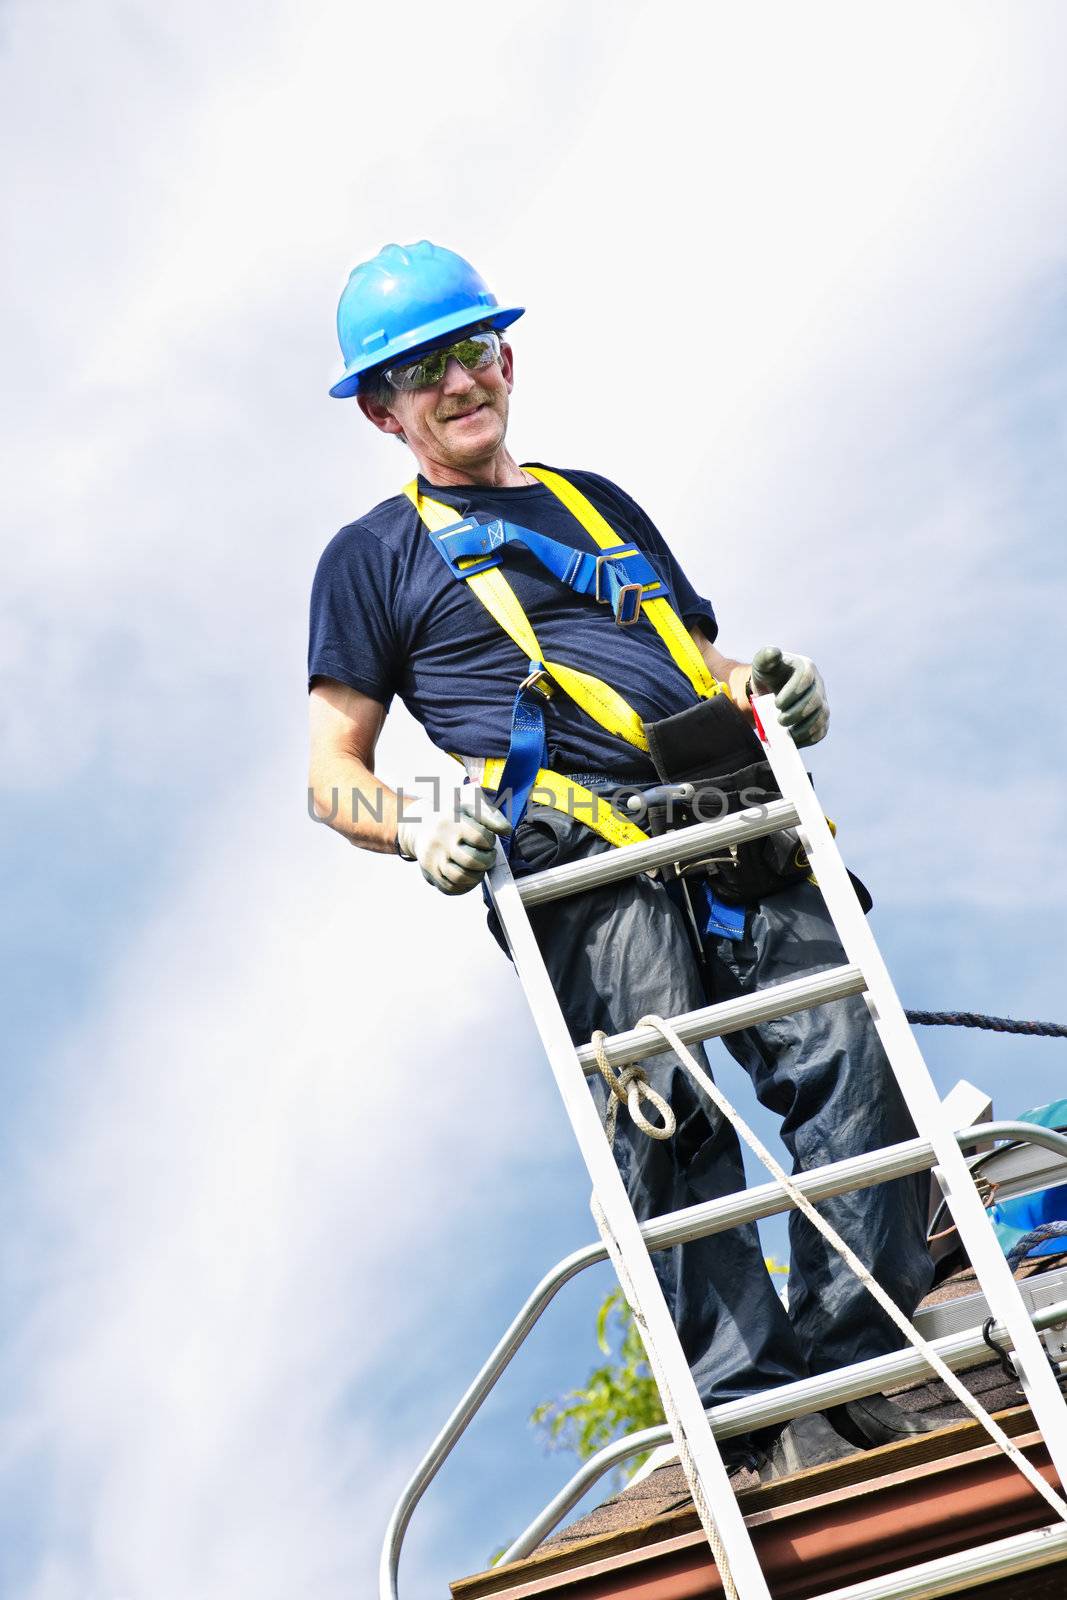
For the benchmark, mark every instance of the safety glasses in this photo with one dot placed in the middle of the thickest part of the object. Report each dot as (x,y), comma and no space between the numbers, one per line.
(473,351)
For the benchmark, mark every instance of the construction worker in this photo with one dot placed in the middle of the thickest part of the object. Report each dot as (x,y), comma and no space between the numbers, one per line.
(398,609)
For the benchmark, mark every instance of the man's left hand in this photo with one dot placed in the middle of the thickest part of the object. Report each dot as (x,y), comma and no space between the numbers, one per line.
(798,689)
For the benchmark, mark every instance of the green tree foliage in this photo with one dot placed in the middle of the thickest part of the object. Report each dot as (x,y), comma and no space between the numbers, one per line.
(620,1396)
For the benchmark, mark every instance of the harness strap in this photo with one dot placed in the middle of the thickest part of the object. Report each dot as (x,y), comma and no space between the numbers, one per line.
(596,698)
(659,611)
(623,578)
(522,772)
(574,799)
(527,753)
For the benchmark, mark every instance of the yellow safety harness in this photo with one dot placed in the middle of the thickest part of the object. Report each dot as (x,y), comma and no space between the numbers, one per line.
(591,694)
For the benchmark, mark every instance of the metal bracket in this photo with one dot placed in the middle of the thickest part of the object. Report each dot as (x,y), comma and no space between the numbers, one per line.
(627,598)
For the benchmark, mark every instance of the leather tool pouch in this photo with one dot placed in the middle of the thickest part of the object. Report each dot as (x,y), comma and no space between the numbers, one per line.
(712,747)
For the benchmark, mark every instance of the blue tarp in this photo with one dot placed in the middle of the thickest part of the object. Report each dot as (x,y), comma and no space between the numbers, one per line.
(1013,1218)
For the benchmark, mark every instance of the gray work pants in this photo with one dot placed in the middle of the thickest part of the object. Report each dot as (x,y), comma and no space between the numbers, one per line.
(622,950)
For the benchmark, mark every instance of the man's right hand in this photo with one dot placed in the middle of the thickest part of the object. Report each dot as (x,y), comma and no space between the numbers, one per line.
(456,846)
(798,689)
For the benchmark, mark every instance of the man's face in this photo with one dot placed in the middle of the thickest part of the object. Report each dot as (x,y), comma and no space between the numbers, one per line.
(460,422)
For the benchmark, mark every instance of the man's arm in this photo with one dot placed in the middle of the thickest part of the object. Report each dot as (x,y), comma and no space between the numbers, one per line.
(344,728)
(733,673)
(454,846)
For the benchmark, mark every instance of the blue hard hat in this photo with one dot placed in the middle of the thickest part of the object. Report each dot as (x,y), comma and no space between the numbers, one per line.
(406,297)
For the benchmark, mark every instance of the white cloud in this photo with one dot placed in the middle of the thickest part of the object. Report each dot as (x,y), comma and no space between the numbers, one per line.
(799,250)
(240,1200)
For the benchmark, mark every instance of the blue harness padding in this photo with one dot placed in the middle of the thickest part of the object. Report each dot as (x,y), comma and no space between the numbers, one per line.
(621,578)
(527,754)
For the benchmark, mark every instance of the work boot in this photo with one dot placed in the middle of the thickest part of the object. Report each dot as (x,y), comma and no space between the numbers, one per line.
(740,1455)
(805,1442)
(876,1420)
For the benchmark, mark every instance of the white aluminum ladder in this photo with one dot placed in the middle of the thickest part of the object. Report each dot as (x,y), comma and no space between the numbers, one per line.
(863,972)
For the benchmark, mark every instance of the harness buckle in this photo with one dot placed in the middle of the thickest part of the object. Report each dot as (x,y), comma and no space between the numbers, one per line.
(487,540)
(539,679)
(628,604)
(623,598)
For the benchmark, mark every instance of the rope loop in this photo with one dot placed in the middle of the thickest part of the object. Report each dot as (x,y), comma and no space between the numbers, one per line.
(628,1088)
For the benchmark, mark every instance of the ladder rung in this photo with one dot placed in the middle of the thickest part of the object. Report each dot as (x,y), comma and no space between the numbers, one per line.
(684,844)
(968,1348)
(967,1571)
(844,1177)
(767,1199)
(778,1000)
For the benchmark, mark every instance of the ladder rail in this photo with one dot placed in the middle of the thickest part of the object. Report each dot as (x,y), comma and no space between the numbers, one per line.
(620,1230)
(610,1196)
(909,1068)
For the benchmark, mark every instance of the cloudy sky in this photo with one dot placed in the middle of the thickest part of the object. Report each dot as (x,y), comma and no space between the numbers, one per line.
(280,1154)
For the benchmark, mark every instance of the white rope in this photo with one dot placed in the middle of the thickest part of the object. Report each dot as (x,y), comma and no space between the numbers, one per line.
(873,1287)
(677,1427)
(629,1088)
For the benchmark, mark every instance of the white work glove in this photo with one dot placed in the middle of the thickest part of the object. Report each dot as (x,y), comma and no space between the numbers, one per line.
(456,846)
(798,689)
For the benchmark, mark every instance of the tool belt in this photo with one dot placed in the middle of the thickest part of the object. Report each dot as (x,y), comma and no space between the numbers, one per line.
(712,748)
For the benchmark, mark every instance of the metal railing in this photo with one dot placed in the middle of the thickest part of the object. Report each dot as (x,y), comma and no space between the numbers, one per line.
(788,1400)
(737,1416)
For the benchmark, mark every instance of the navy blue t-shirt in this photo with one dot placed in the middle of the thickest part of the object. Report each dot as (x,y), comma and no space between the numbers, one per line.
(387,617)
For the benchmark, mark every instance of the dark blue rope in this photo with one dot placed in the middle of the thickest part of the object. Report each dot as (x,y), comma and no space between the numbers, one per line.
(975,1019)
(1036,1236)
